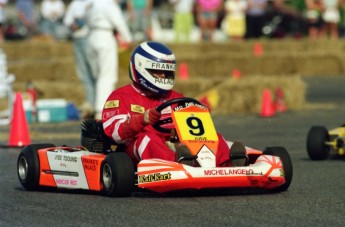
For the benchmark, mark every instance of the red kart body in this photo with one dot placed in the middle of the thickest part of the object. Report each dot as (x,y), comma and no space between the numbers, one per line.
(113,173)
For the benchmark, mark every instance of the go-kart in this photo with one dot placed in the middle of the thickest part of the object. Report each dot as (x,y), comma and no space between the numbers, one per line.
(321,142)
(100,165)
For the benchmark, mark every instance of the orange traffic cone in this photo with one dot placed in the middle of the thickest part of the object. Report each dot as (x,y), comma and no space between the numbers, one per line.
(258,49)
(279,102)
(19,128)
(183,72)
(236,74)
(267,109)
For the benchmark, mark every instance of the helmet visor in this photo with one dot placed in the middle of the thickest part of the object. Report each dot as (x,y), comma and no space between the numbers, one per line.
(161,74)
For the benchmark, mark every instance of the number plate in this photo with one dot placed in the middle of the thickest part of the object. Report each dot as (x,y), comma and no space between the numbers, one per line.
(195,128)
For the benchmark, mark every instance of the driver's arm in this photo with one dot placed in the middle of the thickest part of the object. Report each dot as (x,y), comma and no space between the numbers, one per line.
(120,124)
(136,123)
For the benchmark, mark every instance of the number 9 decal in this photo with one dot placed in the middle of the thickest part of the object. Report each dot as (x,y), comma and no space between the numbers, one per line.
(197,128)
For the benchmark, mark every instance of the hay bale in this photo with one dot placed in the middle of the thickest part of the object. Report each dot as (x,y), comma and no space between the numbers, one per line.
(318,63)
(59,69)
(36,49)
(193,87)
(236,96)
(244,95)
(321,63)
(281,46)
(71,91)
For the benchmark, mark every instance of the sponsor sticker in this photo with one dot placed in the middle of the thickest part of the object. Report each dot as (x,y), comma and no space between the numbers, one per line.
(154,177)
(90,164)
(163,66)
(228,172)
(111,113)
(112,104)
(137,108)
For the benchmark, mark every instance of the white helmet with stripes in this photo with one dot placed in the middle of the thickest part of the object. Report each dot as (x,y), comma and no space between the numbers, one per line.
(148,59)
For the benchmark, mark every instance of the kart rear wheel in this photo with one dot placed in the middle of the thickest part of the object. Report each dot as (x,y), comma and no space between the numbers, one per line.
(118,175)
(28,165)
(316,143)
(282,153)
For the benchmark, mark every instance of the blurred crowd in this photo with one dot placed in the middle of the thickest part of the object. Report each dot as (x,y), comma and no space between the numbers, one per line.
(99,28)
(234,19)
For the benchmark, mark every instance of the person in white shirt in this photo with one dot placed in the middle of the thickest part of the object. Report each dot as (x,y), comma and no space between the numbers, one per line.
(52,12)
(6,89)
(2,18)
(103,18)
(75,20)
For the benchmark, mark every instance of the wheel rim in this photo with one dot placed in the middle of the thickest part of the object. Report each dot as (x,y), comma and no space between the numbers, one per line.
(107,176)
(23,168)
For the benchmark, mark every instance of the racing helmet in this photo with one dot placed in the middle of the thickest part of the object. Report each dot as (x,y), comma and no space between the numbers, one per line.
(149,59)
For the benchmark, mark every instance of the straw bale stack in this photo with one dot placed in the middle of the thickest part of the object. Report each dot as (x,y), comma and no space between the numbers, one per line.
(244,95)
(51,67)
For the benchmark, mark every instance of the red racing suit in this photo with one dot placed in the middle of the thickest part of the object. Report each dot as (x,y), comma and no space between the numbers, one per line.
(124,106)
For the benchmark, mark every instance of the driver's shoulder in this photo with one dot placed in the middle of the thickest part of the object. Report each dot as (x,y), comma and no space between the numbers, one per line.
(175,94)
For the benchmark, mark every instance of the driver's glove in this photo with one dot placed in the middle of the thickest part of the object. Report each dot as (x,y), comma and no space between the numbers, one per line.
(151,116)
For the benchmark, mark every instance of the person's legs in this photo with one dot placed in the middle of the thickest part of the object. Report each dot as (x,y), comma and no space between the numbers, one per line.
(149,145)
(230,156)
(178,26)
(108,70)
(188,23)
(223,153)
(84,71)
(202,22)
(212,24)
(333,29)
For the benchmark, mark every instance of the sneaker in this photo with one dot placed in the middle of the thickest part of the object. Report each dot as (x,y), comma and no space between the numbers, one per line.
(238,154)
(184,156)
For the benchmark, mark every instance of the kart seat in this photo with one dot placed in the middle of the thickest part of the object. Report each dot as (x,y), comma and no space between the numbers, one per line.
(94,139)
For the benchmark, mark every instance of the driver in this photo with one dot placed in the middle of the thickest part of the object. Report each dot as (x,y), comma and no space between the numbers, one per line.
(129,112)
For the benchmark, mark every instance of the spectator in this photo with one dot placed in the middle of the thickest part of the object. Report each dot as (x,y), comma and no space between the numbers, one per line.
(286,19)
(52,12)
(139,12)
(103,17)
(331,18)
(6,90)
(255,18)
(2,19)
(183,18)
(342,18)
(207,17)
(314,10)
(235,18)
(25,11)
(75,20)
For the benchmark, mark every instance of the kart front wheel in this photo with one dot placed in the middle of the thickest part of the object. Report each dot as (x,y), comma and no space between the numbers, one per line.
(118,175)
(316,143)
(28,165)
(282,153)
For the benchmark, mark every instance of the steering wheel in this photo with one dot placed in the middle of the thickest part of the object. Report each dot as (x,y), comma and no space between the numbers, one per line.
(180,101)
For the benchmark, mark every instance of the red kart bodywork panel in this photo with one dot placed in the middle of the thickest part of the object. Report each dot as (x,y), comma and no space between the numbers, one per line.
(163,176)
(63,167)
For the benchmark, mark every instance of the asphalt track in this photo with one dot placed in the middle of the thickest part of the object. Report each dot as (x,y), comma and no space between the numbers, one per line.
(315,197)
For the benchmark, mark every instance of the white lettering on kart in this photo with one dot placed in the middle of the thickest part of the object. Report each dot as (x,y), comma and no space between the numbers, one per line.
(90,164)
(66,182)
(228,172)
(189,104)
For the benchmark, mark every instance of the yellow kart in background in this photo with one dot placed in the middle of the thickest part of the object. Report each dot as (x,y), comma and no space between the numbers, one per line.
(322,142)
